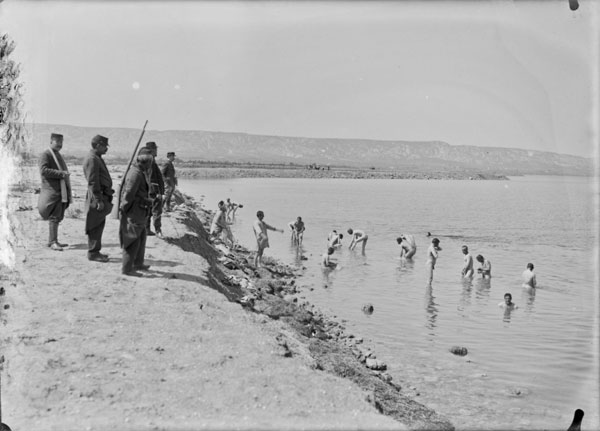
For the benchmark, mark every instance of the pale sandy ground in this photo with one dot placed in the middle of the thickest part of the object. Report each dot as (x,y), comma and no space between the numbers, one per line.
(89,349)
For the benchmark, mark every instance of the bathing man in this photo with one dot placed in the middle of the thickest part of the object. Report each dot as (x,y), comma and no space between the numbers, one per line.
(262,239)
(529,280)
(467,270)
(408,246)
(358,236)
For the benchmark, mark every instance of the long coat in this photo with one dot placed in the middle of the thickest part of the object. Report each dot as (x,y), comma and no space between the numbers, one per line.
(99,190)
(157,186)
(50,199)
(135,204)
(168,173)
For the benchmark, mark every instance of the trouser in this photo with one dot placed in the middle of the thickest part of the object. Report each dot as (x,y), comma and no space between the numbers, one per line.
(169,189)
(95,238)
(55,218)
(133,254)
(156,213)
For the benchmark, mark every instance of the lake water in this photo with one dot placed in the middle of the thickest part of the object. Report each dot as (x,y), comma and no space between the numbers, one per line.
(526,369)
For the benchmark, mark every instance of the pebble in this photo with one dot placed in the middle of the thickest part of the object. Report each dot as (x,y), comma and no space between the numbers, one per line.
(458,350)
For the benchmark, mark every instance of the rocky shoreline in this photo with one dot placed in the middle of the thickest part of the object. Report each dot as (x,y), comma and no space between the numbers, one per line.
(272,290)
(87,348)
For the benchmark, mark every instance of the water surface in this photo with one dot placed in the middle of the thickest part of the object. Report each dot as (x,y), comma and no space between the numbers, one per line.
(526,369)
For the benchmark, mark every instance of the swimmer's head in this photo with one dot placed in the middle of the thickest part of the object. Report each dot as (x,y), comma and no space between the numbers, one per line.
(507,298)
(530,266)
(228,199)
(299,218)
(330,250)
(435,241)
(479,258)
(341,235)
(428,233)
(221,203)
(350,231)
(399,239)
(260,214)
(465,249)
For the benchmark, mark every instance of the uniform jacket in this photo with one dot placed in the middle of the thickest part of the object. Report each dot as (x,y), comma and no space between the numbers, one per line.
(168,172)
(157,178)
(99,189)
(50,194)
(135,205)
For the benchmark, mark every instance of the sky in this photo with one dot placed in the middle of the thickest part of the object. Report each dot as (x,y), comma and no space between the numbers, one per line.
(519,74)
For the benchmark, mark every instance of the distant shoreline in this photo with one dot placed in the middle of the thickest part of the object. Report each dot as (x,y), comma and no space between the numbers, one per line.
(245,172)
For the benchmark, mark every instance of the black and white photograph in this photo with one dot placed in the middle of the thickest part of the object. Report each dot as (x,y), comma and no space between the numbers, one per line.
(299,215)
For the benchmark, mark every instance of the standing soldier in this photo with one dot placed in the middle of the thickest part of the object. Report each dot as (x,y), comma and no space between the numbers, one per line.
(157,189)
(134,209)
(168,172)
(55,193)
(99,197)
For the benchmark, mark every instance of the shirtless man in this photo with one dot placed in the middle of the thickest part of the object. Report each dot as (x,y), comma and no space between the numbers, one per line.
(231,209)
(529,280)
(334,239)
(408,246)
(508,304)
(432,255)
(262,239)
(297,227)
(467,271)
(327,261)
(358,236)
(486,267)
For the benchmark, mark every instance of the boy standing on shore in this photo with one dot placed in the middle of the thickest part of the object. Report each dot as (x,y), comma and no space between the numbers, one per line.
(262,239)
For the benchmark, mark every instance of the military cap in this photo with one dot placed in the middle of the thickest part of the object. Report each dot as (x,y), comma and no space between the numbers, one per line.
(56,136)
(151,145)
(99,139)
(170,153)
(145,152)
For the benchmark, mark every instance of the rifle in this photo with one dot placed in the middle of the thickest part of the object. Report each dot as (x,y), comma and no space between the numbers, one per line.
(115,213)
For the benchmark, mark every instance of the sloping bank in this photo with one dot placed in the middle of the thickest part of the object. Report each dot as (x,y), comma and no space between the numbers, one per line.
(271,291)
(86,348)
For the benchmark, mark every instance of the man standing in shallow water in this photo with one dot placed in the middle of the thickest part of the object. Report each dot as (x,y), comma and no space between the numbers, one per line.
(529,280)
(432,255)
(262,239)
(467,271)
(358,236)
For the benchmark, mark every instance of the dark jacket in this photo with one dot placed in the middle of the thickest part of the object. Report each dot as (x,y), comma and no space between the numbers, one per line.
(156,178)
(51,174)
(99,189)
(168,173)
(135,200)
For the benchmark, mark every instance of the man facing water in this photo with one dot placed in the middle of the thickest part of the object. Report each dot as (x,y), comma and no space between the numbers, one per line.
(408,245)
(486,266)
(98,201)
(529,280)
(170,179)
(358,236)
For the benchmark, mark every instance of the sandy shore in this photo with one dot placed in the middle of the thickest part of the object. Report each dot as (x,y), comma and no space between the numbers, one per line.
(202,341)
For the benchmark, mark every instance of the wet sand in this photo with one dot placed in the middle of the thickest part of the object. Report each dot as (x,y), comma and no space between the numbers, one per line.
(202,341)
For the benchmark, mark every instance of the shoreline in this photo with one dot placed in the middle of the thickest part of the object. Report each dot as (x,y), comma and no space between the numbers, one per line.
(336,173)
(67,350)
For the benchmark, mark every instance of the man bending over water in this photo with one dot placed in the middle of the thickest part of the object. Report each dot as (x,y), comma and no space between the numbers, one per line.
(358,236)
(334,239)
(297,228)
(486,267)
(529,277)
(408,246)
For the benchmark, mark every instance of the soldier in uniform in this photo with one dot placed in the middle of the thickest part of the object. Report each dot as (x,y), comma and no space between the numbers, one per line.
(168,172)
(55,194)
(99,197)
(134,208)
(157,189)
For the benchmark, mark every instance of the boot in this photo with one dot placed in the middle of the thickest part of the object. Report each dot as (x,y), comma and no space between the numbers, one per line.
(53,236)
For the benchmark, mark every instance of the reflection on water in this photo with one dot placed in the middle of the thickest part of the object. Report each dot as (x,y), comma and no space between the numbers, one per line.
(431,309)
(507,313)
(508,229)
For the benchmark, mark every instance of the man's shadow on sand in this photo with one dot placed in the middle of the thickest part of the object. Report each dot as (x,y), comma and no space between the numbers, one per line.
(85,246)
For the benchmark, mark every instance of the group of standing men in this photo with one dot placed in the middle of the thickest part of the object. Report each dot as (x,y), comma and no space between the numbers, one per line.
(141,199)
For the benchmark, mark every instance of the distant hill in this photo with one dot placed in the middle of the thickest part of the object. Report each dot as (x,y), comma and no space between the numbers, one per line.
(242,147)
